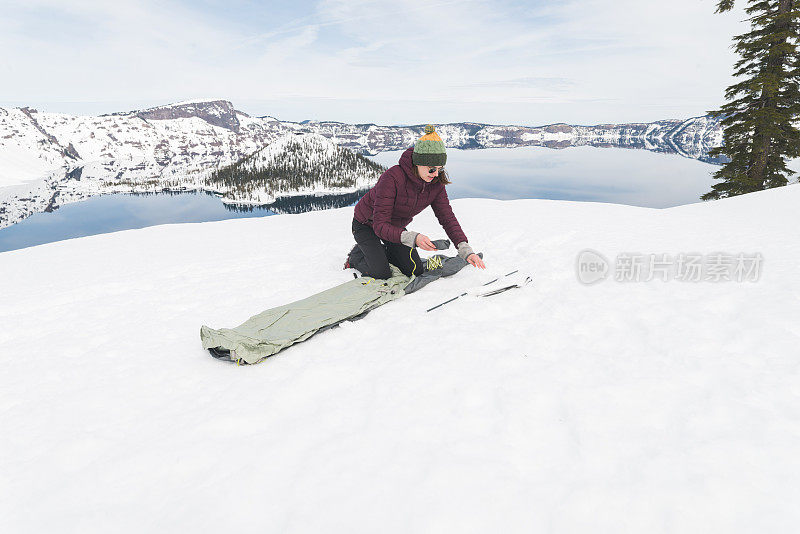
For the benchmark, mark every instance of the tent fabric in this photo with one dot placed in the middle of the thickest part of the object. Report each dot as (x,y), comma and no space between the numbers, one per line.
(273,330)
(450,266)
(277,328)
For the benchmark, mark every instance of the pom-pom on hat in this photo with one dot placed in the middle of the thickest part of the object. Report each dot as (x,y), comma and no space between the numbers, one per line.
(429,149)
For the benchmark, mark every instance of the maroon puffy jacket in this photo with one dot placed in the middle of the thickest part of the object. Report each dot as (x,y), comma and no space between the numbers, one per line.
(398,196)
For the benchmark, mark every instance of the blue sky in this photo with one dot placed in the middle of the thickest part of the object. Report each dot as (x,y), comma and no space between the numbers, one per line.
(388,62)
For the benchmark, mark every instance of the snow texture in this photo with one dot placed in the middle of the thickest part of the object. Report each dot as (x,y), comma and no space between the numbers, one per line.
(657,407)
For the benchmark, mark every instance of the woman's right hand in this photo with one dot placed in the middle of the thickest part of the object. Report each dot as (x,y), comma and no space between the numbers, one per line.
(424,242)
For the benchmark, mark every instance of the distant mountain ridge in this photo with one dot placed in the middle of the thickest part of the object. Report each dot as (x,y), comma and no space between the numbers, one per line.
(690,138)
(49,159)
(215,112)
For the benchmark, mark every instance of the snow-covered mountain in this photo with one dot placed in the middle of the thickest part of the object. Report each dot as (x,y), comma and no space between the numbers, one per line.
(292,165)
(50,159)
(691,138)
(666,406)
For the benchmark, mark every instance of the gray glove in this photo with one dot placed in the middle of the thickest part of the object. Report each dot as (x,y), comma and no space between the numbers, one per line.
(409,239)
(464,250)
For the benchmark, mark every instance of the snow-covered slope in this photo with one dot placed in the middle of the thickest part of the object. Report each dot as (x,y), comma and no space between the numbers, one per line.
(27,152)
(658,407)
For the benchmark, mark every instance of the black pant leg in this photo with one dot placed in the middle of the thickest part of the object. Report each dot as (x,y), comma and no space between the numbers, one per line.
(405,258)
(373,249)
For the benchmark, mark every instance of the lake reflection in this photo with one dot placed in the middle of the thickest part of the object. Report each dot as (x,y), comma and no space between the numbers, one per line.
(634,177)
(619,176)
(112,213)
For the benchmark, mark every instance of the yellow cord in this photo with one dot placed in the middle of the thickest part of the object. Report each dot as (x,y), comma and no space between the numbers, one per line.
(434,262)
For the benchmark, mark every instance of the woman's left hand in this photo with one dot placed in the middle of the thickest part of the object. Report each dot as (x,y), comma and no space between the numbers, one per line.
(476,261)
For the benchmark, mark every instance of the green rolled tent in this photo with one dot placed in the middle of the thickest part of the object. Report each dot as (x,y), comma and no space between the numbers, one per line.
(273,330)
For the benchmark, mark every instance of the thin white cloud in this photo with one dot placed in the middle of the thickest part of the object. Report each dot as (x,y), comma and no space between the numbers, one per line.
(470,56)
(327,16)
(534,82)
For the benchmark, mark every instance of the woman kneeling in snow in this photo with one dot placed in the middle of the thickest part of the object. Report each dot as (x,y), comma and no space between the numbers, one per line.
(401,193)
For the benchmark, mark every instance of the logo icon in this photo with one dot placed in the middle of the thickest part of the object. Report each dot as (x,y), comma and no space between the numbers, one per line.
(591,267)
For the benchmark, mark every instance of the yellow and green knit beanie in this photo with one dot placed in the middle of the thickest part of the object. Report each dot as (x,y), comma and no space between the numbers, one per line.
(429,149)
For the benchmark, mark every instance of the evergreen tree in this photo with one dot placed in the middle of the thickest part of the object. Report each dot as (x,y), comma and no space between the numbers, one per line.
(758,125)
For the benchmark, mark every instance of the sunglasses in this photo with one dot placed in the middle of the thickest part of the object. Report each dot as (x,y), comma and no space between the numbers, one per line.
(432,170)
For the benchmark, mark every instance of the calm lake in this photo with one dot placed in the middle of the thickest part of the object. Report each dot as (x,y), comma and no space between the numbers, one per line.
(621,176)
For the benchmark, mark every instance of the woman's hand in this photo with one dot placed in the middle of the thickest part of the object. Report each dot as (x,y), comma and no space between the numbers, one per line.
(425,243)
(476,261)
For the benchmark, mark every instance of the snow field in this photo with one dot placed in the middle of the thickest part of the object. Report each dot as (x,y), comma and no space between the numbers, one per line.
(618,407)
